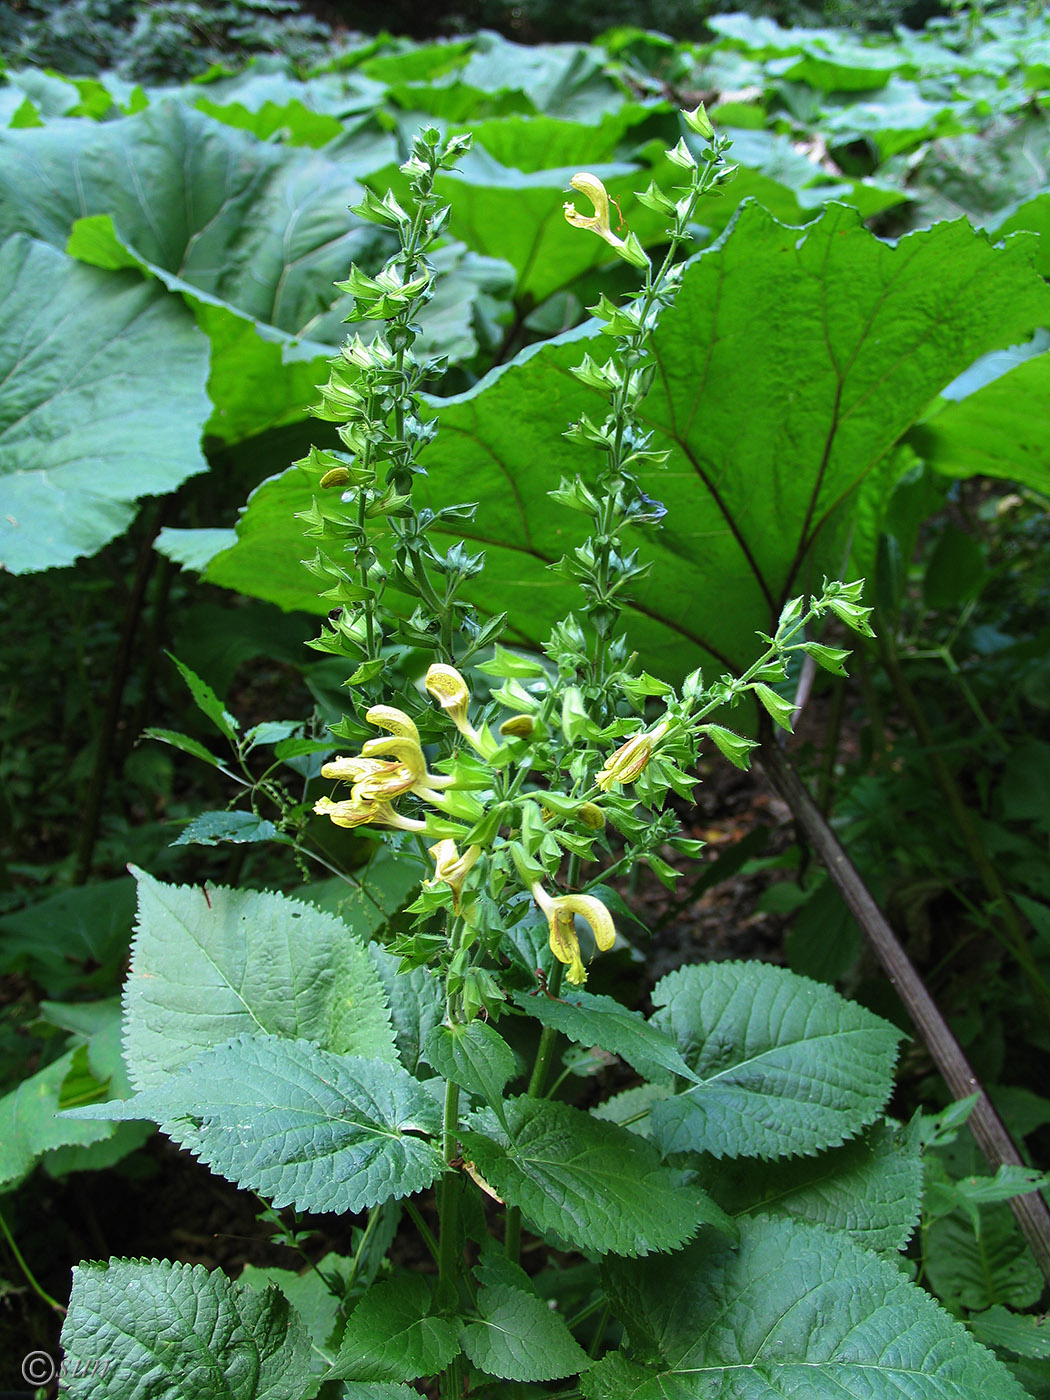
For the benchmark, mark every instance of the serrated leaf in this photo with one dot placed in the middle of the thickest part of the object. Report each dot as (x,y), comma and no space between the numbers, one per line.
(591,1019)
(793,1310)
(869,1188)
(518,1338)
(77,938)
(83,433)
(417,1005)
(301,1126)
(207,701)
(184,743)
(1021,1333)
(474,1056)
(976,1272)
(189,1331)
(392,1336)
(208,963)
(309,1293)
(788,1066)
(592,1183)
(214,828)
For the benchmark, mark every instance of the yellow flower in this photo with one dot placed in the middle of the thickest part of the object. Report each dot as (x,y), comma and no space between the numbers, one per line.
(451,868)
(449,689)
(598,222)
(561,919)
(377,781)
(357,812)
(393,720)
(630,759)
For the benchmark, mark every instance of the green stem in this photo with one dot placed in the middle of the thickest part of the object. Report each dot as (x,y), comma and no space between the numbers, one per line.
(538,1082)
(425,1233)
(30,1278)
(448,1246)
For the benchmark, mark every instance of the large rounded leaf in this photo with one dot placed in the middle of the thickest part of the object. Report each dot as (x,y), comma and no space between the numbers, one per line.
(787,370)
(102,401)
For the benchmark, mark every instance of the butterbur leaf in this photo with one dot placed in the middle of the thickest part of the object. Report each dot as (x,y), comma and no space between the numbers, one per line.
(591,1183)
(83,432)
(517,1337)
(191,1331)
(209,963)
(392,1335)
(793,1310)
(787,1066)
(596,1020)
(328,1132)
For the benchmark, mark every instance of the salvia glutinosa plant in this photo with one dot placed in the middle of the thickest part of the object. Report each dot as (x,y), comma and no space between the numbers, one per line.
(724,1224)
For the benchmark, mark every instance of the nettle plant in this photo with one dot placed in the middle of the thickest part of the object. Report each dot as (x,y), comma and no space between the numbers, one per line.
(728,1222)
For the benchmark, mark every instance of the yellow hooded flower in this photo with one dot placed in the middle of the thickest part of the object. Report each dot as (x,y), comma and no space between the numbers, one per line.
(451,868)
(630,759)
(561,919)
(357,812)
(377,781)
(598,222)
(449,689)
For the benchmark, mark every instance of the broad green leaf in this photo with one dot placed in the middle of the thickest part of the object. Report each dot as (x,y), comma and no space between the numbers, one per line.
(259,377)
(83,432)
(1029,216)
(215,828)
(189,1331)
(208,963)
(417,1005)
(262,377)
(597,1020)
(393,1336)
(592,1183)
(77,938)
(474,1056)
(759,488)
(870,1188)
(1001,430)
(518,1338)
(377,1390)
(262,227)
(293,123)
(795,1310)
(328,1132)
(31,1131)
(1021,1333)
(308,1292)
(787,1066)
(976,1272)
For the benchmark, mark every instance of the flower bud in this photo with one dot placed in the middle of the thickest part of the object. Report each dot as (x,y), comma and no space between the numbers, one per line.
(518,727)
